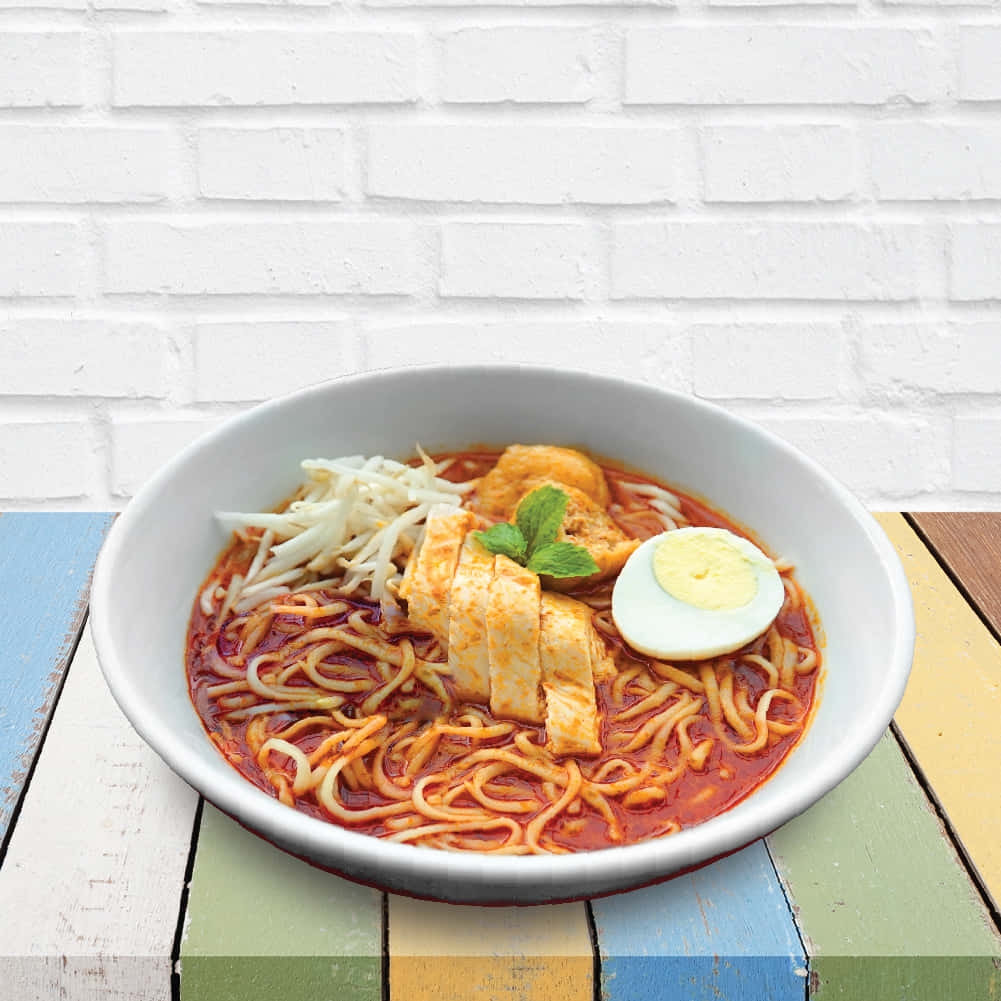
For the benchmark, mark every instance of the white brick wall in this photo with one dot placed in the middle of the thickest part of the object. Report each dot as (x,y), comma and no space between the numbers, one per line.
(262,67)
(519,64)
(766,260)
(304,164)
(791,207)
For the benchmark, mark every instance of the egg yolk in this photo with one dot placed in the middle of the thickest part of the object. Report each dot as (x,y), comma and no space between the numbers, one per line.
(704,571)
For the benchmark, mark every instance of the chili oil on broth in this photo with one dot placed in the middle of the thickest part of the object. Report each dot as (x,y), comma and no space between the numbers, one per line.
(681,742)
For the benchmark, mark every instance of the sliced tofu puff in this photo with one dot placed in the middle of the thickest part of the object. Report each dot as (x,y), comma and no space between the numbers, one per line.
(602,662)
(513,643)
(427,580)
(589,525)
(468,653)
(522,466)
(565,654)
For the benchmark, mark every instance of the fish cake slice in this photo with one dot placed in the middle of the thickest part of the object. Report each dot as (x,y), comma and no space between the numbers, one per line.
(513,643)
(565,654)
(468,656)
(427,580)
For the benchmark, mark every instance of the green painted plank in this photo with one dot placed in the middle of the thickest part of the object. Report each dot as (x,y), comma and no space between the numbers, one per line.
(45,563)
(263,925)
(885,908)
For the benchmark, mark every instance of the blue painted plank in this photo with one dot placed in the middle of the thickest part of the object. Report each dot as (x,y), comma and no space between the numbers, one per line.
(46,561)
(722,933)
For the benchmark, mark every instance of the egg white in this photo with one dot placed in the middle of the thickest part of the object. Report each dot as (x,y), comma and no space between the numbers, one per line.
(658,624)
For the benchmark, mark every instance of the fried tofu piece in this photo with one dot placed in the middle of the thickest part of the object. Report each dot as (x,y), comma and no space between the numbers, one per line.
(521,466)
(602,662)
(566,653)
(427,579)
(468,655)
(513,643)
(588,525)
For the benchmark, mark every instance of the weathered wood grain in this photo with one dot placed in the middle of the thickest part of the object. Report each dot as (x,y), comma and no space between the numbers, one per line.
(45,565)
(262,925)
(448,951)
(885,907)
(950,712)
(970,544)
(91,885)
(724,931)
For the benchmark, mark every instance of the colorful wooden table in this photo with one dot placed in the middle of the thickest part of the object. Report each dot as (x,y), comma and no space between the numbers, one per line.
(118,882)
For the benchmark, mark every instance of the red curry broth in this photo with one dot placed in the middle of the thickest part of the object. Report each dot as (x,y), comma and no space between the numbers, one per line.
(727,777)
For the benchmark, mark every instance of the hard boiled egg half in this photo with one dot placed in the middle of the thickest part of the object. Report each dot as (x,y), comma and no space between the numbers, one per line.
(695,592)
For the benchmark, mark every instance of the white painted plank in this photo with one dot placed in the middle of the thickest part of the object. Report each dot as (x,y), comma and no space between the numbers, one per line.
(91,885)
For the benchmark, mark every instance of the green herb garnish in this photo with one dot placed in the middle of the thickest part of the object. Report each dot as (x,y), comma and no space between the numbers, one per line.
(531,541)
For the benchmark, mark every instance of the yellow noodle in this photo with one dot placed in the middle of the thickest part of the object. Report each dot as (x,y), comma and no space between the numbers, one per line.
(327,702)
(615,764)
(314,612)
(284,794)
(348,776)
(214,691)
(708,677)
(348,722)
(756,660)
(487,824)
(255,735)
(403,823)
(383,783)
(428,745)
(676,674)
(787,673)
(311,667)
(303,771)
(436,813)
(304,724)
(467,844)
(730,711)
(622,679)
(594,798)
(694,756)
(475,789)
(523,741)
(249,643)
(478,732)
(761,720)
(550,773)
(406,669)
(644,797)
(674,712)
(743,705)
(807,661)
(573,785)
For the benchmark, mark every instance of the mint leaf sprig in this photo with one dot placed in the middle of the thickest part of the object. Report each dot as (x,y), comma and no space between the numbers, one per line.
(531,541)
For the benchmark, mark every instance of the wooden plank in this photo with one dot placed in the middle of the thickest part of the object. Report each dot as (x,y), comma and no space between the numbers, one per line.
(45,565)
(465,953)
(90,888)
(970,544)
(724,931)
(885,907)
(259,921)
(950,712)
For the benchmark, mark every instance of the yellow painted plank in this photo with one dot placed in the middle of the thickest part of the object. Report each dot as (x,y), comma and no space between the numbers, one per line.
(489,953)
(950,712)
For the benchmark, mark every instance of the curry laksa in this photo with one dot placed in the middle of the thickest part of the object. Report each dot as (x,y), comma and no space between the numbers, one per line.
(515,653)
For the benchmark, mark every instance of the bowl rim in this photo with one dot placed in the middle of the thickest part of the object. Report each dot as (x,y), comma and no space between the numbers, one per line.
(326,843)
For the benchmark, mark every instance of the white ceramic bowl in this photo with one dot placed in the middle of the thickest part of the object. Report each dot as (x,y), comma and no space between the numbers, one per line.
(162,547)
